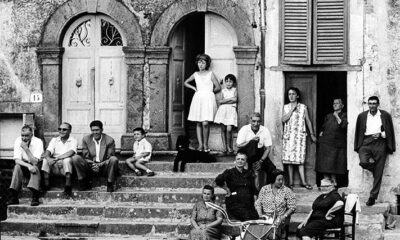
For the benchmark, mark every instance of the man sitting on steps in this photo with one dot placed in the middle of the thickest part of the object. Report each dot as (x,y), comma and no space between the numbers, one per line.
(58,157)
(27,152)
(98,151)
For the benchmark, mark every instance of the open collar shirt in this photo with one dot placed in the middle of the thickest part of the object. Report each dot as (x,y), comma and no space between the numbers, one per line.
(374,123)
(97,145)
(57,147)
(35,146)
(246,134)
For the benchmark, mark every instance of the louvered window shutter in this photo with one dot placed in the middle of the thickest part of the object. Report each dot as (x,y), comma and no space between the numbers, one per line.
(329,28)
(296,31)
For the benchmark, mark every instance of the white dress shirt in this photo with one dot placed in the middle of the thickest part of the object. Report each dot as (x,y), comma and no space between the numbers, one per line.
(35,146)
(245,134)
(374,124)
(57,147)
(97,145)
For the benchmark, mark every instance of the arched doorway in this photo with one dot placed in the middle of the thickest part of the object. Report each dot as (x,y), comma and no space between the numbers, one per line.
(199,32)
(93,76)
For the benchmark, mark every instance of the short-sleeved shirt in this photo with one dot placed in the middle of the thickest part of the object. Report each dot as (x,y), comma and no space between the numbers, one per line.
(57,147)
(246,134)
(35,146)
(142,146)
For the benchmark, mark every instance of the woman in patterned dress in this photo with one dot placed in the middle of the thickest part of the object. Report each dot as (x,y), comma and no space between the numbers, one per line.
(206,221)
(295,118)
(277,198)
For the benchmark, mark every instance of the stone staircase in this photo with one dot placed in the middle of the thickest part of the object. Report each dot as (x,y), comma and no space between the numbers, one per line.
(143,207)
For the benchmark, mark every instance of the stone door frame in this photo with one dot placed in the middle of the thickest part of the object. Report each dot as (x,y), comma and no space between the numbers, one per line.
(245,52)
(50,53)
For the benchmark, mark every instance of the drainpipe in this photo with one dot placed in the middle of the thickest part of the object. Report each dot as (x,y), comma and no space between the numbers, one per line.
(263,29)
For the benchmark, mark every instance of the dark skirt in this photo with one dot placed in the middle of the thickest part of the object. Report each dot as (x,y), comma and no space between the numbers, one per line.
(331,159)
(205,234)
(316,226)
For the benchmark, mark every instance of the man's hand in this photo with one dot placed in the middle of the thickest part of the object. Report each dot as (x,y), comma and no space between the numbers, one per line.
(228,192)
(257,165)
(24,145)
(256,138)
(95,167)
(32,169)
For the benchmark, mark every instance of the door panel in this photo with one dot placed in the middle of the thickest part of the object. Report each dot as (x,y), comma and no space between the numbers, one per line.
(307,84)
(176,120)
(220,38)
(111,92)
(77,89)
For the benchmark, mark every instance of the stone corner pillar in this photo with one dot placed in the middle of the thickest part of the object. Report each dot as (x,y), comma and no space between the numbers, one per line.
(245,61)
(158,57)
(50,59)
(134,60)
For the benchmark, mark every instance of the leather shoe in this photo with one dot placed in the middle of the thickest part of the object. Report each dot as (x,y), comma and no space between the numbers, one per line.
(67,191)
(110,187)
(370,202)
(12,201)
(84,185)
(35,201)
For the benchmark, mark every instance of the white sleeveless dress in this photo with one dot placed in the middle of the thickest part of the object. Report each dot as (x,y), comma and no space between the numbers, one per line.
(226,113)
(203,106)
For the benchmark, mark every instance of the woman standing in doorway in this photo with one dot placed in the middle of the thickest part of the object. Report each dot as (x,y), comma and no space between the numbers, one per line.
(295,118)
(203,106)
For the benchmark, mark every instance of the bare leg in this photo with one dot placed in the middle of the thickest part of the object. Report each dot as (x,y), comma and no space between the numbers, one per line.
(206,133)
(139,164)
(224,137)
(229,138)
(130,162)
(301,172)
(199,134)
(306,238)
(290,169)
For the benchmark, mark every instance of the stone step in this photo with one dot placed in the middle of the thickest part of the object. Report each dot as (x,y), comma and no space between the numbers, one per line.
(161,179)
(391,234)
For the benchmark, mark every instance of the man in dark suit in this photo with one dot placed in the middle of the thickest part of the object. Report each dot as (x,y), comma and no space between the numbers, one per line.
(98,158)
(373,140)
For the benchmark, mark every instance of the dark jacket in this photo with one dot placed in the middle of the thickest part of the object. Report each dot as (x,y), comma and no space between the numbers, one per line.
(107,147)
(387,126)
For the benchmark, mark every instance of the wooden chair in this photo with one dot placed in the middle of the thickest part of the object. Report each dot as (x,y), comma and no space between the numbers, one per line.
(342,233)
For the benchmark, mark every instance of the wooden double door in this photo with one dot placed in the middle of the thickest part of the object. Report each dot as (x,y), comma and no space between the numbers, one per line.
(94,78)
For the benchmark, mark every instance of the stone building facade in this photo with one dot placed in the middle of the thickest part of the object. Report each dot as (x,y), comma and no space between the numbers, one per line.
(136,78)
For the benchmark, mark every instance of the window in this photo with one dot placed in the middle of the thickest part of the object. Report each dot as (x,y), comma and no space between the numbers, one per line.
(313,32)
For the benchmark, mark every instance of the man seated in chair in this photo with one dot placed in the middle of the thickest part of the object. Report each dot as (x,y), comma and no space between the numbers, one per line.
(98,158)
(27,152)
(58,157)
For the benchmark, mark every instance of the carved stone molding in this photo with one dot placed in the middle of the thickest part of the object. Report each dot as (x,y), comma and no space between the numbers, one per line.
(134,56)
(50,55)
(245,55)
(158,54)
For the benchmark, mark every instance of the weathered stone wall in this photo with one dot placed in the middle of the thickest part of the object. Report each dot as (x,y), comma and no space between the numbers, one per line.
(380,77)
(28,26)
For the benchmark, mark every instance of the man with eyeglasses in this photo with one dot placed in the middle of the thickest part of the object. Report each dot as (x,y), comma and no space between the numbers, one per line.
(27,152)
(58,157)
(373,140)
(255,141)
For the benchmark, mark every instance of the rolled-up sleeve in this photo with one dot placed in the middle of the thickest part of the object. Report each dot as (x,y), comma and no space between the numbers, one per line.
(38,149)
(17,149)
(51,146)
(73,145)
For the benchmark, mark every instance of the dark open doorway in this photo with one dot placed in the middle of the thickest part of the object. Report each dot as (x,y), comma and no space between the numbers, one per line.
(318,89)
(330,85)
